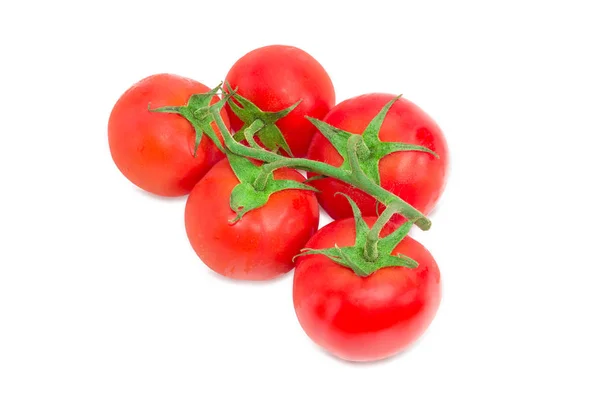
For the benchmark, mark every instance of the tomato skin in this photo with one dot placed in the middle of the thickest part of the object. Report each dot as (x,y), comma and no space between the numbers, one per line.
(262,244)
(418,178)
(364,318)
(155,151)
(274,78)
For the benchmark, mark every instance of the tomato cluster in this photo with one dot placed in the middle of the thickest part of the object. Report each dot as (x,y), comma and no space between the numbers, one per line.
(363,290)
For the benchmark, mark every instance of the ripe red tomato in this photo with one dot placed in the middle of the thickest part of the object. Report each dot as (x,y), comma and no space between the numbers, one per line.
(262,244)
(276,77)
(364,318)
(155,151)
(417,177)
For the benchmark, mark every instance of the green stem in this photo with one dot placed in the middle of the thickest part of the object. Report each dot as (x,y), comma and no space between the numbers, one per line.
(251,131)
(297,163)
(354,145)
(356,177)
(265,171)
(362,151)
(371,251)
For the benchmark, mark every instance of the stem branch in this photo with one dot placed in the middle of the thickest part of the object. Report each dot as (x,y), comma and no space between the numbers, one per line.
(356,177)
(251,131)
(371,252)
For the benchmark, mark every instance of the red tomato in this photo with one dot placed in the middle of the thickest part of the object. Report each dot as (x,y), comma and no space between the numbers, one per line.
(276,77)
(364,318)
(262,244)
(155,151)
(417,177)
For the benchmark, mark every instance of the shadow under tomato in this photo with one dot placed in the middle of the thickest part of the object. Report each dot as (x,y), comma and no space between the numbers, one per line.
(253,283)
(362,364)
(166,199)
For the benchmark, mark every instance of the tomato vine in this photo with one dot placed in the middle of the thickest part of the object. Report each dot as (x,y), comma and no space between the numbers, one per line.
(361,154)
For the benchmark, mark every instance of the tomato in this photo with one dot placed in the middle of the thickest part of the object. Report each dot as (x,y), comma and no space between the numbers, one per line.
(155,151)
(364,318)
(262,244)
(417,177)
(276,77)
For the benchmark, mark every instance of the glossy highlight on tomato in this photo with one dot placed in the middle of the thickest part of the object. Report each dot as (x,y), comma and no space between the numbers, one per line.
(274,78)
(155,151)
(263,243)
(364,318)
(417,177)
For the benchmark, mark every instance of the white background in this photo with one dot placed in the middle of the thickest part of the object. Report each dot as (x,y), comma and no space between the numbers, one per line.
(105,307)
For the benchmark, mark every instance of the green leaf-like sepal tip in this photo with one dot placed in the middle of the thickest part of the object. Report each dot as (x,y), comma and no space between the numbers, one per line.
(355,257)
(197,112)
(245,196)
(376,149)
(269,134)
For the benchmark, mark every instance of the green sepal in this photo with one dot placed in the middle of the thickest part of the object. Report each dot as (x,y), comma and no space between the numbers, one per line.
(385,148)
(388,243)
(337,137)
(269,134)
(244,196)
(354,257)
(362,229)
(197,112)
(371,132)
(375,149)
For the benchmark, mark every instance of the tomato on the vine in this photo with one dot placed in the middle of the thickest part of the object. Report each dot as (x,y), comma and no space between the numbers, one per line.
(364,318)
(275,78)
(262,244)
(155,151)
(417,177)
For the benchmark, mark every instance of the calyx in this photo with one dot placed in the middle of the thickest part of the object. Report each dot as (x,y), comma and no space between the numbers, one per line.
(369,252)
(197,111)
(372,149)
(264,122)
(246,196)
